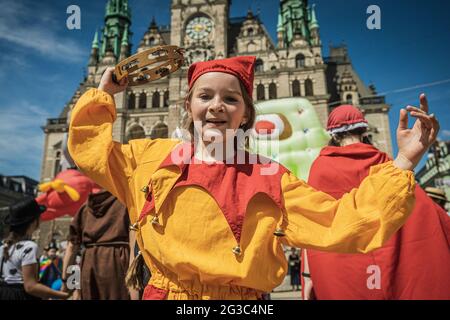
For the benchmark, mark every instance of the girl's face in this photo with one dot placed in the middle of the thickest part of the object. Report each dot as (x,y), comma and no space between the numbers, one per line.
(217,104)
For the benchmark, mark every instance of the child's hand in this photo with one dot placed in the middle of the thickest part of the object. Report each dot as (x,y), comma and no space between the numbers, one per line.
(414,142)
(108,85)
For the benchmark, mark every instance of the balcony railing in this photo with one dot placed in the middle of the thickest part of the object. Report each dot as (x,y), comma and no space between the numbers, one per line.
(53,121)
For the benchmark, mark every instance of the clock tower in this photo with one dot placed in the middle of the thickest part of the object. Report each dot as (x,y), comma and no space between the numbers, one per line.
(200,26)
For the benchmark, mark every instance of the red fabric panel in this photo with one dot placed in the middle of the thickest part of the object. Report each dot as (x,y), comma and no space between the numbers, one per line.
(413,264)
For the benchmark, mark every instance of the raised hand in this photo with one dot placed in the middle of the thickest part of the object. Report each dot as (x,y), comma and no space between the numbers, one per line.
(414,142)
(108,85)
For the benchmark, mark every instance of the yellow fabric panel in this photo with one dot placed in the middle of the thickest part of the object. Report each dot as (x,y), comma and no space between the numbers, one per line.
(361,221)
(108,162)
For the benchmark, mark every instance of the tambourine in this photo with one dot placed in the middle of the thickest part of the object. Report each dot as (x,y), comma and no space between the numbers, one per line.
(149,65)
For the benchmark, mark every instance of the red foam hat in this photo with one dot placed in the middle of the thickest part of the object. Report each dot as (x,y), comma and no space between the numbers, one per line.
(345,118)
(241,67)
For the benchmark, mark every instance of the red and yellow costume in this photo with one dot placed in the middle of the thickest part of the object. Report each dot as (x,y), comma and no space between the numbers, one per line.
(202,211)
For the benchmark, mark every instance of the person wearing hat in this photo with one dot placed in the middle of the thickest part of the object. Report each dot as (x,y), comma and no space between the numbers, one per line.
(413,264)
(19,265)
(210,218)
(438,196)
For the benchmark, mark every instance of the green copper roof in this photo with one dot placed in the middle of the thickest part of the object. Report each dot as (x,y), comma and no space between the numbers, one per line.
(125,37)
(313,22)
(95,41)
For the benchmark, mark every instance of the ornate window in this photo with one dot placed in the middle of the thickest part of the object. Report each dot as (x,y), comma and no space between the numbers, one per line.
(136,132)
(57,167)
(131,101)
(260,94)
(299,61)
(159,131)
(166,98)
(272,91)
(349,98)
(296,88)
(309,88)
(142,101)
(155,100)
(259,65)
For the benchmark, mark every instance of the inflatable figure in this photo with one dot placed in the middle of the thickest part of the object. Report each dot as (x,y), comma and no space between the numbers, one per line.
(289,131)
(65,194)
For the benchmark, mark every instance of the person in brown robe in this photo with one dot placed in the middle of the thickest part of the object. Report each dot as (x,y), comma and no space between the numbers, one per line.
(102,227)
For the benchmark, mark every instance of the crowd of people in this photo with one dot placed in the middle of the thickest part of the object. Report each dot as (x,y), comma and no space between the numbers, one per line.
(205,219)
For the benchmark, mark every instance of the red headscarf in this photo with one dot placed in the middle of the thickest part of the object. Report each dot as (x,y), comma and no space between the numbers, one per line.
(241,67)
(345,118)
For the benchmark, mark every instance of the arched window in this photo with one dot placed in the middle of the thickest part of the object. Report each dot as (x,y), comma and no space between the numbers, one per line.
(166,98)
(296,88)
(260,95)
(251,47)
(299,61)
(309,88)
(272,91)
(151,41)
(57,167)
(131,101)
(155,100)
(250,31)
(159,131)
(349,98)
(142,101)
(136,132)
(273,68)
(259,65)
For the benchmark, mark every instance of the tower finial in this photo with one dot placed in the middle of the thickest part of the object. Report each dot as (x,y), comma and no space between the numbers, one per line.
(95,41)
(314,24)
(125,36)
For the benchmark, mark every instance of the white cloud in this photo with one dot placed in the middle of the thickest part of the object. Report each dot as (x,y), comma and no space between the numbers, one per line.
(446,133)
(21,139)
(23,26)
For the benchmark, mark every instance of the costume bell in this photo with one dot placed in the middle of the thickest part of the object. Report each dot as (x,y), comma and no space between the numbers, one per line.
(215,231)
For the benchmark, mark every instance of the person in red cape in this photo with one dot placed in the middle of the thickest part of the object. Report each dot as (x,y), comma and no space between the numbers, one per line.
(413,264)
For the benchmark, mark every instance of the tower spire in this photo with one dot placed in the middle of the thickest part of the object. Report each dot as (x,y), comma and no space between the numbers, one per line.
(93,58)
(293,18)
(95,41)
(313,24)
(117,19)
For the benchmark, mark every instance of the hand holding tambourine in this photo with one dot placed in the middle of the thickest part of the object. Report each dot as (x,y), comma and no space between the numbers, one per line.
(141,68)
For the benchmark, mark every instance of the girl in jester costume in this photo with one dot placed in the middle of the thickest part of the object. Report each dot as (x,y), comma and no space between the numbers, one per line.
(211,227)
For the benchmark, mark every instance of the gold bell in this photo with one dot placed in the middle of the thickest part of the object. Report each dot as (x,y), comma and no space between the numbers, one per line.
(155,220)
(145,189)
(279,232)
(134,226)
(237,250)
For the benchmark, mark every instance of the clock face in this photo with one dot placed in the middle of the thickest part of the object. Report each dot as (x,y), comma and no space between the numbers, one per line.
(198,28)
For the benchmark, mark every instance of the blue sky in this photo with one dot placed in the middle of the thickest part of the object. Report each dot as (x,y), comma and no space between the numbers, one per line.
(42,62)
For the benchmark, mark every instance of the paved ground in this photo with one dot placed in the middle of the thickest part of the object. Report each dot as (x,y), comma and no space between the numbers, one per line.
(287,295)
(284,291)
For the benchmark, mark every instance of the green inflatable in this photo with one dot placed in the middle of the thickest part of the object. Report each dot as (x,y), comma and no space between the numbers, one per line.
(289,131)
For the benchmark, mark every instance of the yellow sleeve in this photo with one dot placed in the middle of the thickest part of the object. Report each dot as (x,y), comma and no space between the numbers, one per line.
(361,221)
(90,143)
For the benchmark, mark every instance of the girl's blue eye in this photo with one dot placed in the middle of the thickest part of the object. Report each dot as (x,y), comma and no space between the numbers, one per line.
(204,97)
(231,99)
